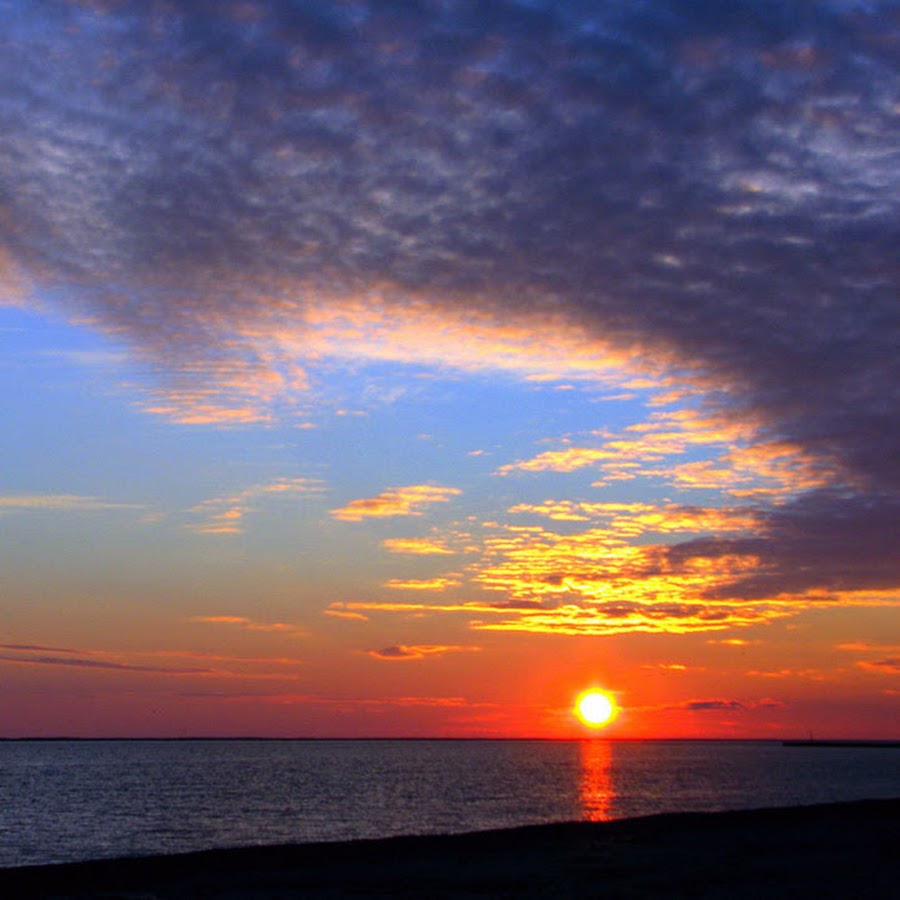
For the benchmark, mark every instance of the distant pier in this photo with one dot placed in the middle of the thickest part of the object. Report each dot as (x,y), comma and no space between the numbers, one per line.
(811,742)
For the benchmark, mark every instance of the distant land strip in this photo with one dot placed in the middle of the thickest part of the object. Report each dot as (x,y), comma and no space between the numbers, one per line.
(817,743)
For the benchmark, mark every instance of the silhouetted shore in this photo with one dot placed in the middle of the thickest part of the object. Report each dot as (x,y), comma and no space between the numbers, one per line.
(828,851)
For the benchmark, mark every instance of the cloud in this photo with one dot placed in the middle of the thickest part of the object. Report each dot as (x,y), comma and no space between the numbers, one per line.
(89,663)
(403,652)
(867,647)
(37,648)
(882,666)
(887,661)
(350,706)
(630,520)
(601,580)
(576,617)
(225,515)
(337,612)
(469,608)
(402,501)
(743,465)
(828,541)
(617,567)
(567,460)
(161,661)
(416,546)
(804,674)
(672,667)
(244,623)
(728,705)
(58,503)
(422,584)
(707,191)
(704,705)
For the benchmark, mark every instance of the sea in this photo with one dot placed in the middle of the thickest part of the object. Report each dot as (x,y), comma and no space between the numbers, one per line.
(63,801)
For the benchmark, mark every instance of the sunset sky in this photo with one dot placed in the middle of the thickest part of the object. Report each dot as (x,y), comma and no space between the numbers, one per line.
(408,368)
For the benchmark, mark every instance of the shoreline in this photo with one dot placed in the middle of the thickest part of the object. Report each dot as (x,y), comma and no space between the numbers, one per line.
(829,850)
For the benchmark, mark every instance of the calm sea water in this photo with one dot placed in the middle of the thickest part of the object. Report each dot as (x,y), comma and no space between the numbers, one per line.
(71,800)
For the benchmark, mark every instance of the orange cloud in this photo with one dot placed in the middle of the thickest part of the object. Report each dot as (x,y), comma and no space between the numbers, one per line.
(424,584)
(868,647)
(190,408)
(338,613)
(256,377)
(558,511)
(567,460)
(802,674)
(470,340)
(708,475)
(742,465)
(405,652)
(416,546)
(578,618)
(243,389)
(625,618)
(627,520)
(887,661)
(771,468)
(386,606)
(673,667)
(881,666)
(402,501)
(664,434)
(225,515)
(251,624)
(58,503)
(605,578)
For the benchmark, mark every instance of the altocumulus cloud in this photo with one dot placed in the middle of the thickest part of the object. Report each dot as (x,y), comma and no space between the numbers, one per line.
(713,185)
(403,501)
(417,651)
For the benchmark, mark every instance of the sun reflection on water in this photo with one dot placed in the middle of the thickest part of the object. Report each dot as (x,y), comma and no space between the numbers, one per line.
(596,787)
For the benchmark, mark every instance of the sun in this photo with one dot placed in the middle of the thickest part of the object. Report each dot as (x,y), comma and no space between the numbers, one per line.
(595,708)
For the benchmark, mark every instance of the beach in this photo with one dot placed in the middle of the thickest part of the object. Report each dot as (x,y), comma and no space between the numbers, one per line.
(832,850)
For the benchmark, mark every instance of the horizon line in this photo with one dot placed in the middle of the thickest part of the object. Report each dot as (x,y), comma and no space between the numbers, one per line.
(875,742)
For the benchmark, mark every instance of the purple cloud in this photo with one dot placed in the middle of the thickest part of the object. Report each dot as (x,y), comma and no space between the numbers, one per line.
(704,705)
(714,183)
(99,664)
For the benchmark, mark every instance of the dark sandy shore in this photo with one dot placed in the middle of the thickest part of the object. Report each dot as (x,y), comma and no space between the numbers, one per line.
(847,850)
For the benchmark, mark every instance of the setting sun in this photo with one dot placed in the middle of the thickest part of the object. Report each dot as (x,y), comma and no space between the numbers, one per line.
(595,708)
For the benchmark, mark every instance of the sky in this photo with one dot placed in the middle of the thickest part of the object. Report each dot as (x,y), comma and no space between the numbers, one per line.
(408,368)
